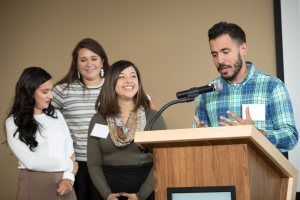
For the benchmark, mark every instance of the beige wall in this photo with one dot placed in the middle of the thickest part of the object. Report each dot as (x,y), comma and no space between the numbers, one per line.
(167,40)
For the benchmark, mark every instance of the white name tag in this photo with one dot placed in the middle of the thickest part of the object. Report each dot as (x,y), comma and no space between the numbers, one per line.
(100,131)
(257,111)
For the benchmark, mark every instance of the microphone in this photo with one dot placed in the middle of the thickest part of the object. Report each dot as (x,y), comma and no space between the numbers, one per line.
(187,96)
(217,86)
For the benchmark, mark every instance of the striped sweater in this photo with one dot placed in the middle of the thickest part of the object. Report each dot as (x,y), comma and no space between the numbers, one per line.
(78,107)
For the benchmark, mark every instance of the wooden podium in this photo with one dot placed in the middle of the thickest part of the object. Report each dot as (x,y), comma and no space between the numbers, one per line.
(237,156)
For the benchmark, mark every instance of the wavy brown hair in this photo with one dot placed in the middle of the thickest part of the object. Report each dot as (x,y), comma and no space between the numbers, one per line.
(107,104)
(72,75)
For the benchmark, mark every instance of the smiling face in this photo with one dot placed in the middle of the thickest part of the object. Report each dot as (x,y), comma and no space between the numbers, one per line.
(128,84)
(42,96)
(89,65)
(229,58)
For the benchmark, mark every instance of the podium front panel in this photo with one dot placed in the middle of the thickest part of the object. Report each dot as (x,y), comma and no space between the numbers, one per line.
(220,165)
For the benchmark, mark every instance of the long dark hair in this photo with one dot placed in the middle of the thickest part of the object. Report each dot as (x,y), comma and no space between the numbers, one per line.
(24,102)
(72,75)
(107,104)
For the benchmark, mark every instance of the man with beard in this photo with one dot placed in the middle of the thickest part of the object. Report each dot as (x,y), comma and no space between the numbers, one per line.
(242,84)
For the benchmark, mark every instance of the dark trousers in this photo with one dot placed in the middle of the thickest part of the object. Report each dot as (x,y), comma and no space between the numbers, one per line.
(127,178)
(83,186)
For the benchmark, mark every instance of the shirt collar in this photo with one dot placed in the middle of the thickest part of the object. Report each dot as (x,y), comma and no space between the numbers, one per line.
(98,86)
(250,73)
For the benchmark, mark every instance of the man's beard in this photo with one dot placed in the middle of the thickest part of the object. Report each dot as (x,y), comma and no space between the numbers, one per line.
(236,69)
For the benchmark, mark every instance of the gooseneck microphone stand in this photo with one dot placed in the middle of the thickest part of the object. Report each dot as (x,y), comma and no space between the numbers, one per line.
(190,97)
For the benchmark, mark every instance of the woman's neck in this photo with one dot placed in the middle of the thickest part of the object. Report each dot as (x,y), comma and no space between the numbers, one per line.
(126,106)
(37,111)
(94,82)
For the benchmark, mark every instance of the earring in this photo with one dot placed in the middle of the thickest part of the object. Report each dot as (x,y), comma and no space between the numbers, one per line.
(78,74)
(102,72)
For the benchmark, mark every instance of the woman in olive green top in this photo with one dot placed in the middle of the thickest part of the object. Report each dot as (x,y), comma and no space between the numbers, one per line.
(112,156)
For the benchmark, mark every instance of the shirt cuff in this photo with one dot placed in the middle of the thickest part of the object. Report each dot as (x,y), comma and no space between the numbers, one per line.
(69,175)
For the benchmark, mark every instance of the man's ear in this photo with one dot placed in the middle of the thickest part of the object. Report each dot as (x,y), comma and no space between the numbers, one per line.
(244,49)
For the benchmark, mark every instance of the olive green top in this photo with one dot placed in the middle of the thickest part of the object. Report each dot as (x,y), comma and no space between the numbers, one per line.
(103,151)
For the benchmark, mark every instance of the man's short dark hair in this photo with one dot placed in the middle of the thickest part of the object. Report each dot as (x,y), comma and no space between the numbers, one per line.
(234,31)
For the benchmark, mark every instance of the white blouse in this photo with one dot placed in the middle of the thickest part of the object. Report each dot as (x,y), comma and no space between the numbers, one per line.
(55,146)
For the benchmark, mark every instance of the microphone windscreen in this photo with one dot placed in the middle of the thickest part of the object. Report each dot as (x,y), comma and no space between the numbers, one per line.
(218,86)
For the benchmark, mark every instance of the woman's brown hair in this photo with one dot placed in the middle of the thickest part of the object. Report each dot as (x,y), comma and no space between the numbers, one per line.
(107,104)
(91,45)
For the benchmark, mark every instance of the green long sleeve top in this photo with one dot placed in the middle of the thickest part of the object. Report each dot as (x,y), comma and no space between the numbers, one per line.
(103,151)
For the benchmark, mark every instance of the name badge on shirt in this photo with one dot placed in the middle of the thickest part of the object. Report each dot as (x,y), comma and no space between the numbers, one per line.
(100,131)
(257,111)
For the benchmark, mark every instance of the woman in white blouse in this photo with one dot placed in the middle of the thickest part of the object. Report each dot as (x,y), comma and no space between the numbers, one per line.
(39,136)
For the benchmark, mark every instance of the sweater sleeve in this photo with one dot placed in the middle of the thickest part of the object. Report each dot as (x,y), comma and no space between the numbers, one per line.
(57,100)
(94,162)
(68,146)
(31,160)
(148,186)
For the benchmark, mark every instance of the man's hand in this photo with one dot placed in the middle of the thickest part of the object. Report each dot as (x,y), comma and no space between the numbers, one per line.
(113,196)
(239,121)
(64,188)
(130,196)
(198,123)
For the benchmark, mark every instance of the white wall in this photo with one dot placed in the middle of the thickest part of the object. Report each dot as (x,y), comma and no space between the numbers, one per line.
(291,43)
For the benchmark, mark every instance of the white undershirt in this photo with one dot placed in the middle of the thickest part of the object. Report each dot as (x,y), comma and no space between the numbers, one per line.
(55,146)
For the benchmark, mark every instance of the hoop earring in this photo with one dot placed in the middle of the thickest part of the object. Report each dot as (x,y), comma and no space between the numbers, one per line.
(102,72)
(78,74)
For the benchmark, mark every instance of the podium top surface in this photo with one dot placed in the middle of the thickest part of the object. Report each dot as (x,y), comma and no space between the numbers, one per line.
(211,133)
(227,135)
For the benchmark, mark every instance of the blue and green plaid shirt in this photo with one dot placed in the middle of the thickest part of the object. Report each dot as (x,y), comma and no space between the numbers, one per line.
(256,88)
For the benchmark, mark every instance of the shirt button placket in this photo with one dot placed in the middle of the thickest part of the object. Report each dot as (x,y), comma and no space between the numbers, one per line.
(234,107)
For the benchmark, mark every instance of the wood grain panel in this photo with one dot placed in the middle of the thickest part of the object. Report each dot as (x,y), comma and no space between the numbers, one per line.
(220,142)
(283,189)
(201,166)
(265,183)
(268,160)
(199,143)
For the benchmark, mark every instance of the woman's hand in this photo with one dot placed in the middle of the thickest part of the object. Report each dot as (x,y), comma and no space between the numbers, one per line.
(130,196)
(75,164)
(113,196)
(64,188)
